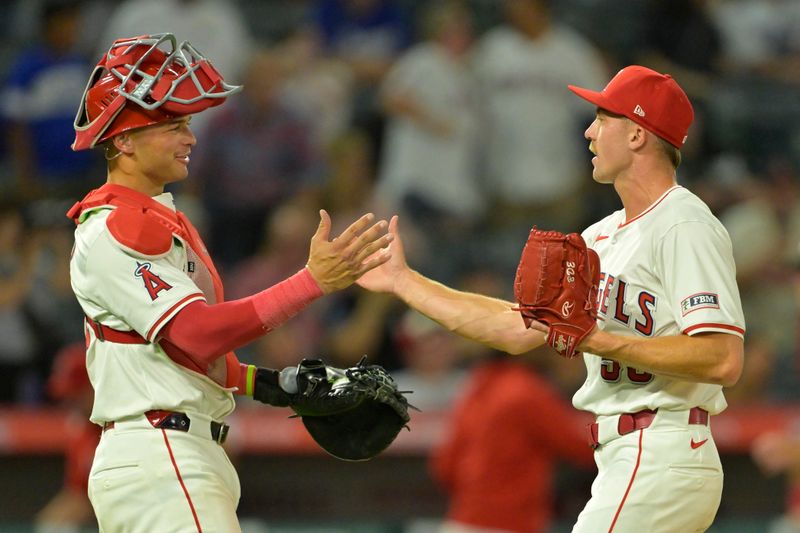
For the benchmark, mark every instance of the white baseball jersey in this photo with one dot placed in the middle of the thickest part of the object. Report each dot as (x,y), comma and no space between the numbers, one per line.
(533,154)
(126,291)
(442,168)
(668,271)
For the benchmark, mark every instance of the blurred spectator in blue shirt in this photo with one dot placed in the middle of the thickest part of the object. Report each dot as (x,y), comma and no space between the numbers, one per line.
(367,36)
(38,102)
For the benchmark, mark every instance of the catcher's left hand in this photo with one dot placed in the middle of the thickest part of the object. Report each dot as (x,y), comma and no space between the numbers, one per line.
(352,413)
(556,285)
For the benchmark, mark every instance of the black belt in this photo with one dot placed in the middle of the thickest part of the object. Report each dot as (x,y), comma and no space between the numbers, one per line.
(180,422)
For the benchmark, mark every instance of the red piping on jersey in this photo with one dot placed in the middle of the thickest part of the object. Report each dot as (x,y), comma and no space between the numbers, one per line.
(180,480)
(600,238)
(160,321)
(630,483)
(643,213)
(701,308)
(735,329)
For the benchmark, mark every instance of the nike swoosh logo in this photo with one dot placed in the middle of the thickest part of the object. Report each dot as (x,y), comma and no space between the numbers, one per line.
(696,445)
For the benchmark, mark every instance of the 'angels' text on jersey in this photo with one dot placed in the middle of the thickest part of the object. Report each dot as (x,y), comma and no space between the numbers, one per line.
(614,289)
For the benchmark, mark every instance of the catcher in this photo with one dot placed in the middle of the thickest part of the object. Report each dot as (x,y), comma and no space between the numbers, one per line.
(159,332)
(658,317)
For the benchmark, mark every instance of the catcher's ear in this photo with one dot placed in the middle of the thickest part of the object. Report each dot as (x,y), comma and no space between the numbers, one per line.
(123,143)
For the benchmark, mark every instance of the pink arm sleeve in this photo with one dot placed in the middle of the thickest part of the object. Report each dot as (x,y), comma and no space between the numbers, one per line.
(205,332)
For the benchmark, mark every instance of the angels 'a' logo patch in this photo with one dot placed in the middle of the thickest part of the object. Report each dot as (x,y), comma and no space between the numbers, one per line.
(701,300)
(152,282)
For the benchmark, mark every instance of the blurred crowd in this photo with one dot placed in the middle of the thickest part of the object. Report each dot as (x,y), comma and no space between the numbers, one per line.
(454,114)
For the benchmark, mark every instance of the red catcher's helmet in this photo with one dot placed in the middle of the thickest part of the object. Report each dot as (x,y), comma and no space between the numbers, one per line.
(137,83)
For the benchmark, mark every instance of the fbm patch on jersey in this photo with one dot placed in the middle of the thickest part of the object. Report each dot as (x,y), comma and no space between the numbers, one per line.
(701,300)
(152,282)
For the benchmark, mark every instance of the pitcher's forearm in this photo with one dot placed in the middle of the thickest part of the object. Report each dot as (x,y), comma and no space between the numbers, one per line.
(704,358)
(490,321)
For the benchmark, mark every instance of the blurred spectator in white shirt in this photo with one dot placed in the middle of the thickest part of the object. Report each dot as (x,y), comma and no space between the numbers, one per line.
(536,157)
(429,164)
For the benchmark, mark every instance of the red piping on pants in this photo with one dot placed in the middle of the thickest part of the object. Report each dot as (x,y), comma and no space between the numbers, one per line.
(180,480)
(630,483)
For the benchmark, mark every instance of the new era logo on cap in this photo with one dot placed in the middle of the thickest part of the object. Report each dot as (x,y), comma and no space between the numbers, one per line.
(634,89)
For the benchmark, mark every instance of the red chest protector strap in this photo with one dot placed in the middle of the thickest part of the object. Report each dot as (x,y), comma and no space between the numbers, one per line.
(152,214)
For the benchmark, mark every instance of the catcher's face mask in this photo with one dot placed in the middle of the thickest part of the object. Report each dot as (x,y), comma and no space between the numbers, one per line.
(142,81)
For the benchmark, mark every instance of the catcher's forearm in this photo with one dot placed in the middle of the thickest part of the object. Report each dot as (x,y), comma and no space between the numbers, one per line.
(207,332)
(490,321)
(715,358)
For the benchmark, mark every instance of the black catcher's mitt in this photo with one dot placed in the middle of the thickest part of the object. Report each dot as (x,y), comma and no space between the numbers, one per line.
(354,413)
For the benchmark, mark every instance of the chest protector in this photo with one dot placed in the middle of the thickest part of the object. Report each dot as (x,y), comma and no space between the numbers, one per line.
(145,228)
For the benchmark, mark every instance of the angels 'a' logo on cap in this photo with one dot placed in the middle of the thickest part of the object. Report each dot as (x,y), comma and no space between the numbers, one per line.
(638,110)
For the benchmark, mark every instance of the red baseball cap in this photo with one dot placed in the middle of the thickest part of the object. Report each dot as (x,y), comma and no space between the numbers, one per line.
(650,99)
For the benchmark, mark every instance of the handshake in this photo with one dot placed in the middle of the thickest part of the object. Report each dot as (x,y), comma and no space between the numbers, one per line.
(352,413)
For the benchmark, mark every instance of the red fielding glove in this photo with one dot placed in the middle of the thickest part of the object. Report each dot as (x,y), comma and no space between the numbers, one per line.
(556,284)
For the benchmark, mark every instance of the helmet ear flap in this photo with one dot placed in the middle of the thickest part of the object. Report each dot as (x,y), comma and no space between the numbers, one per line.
(100,105)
